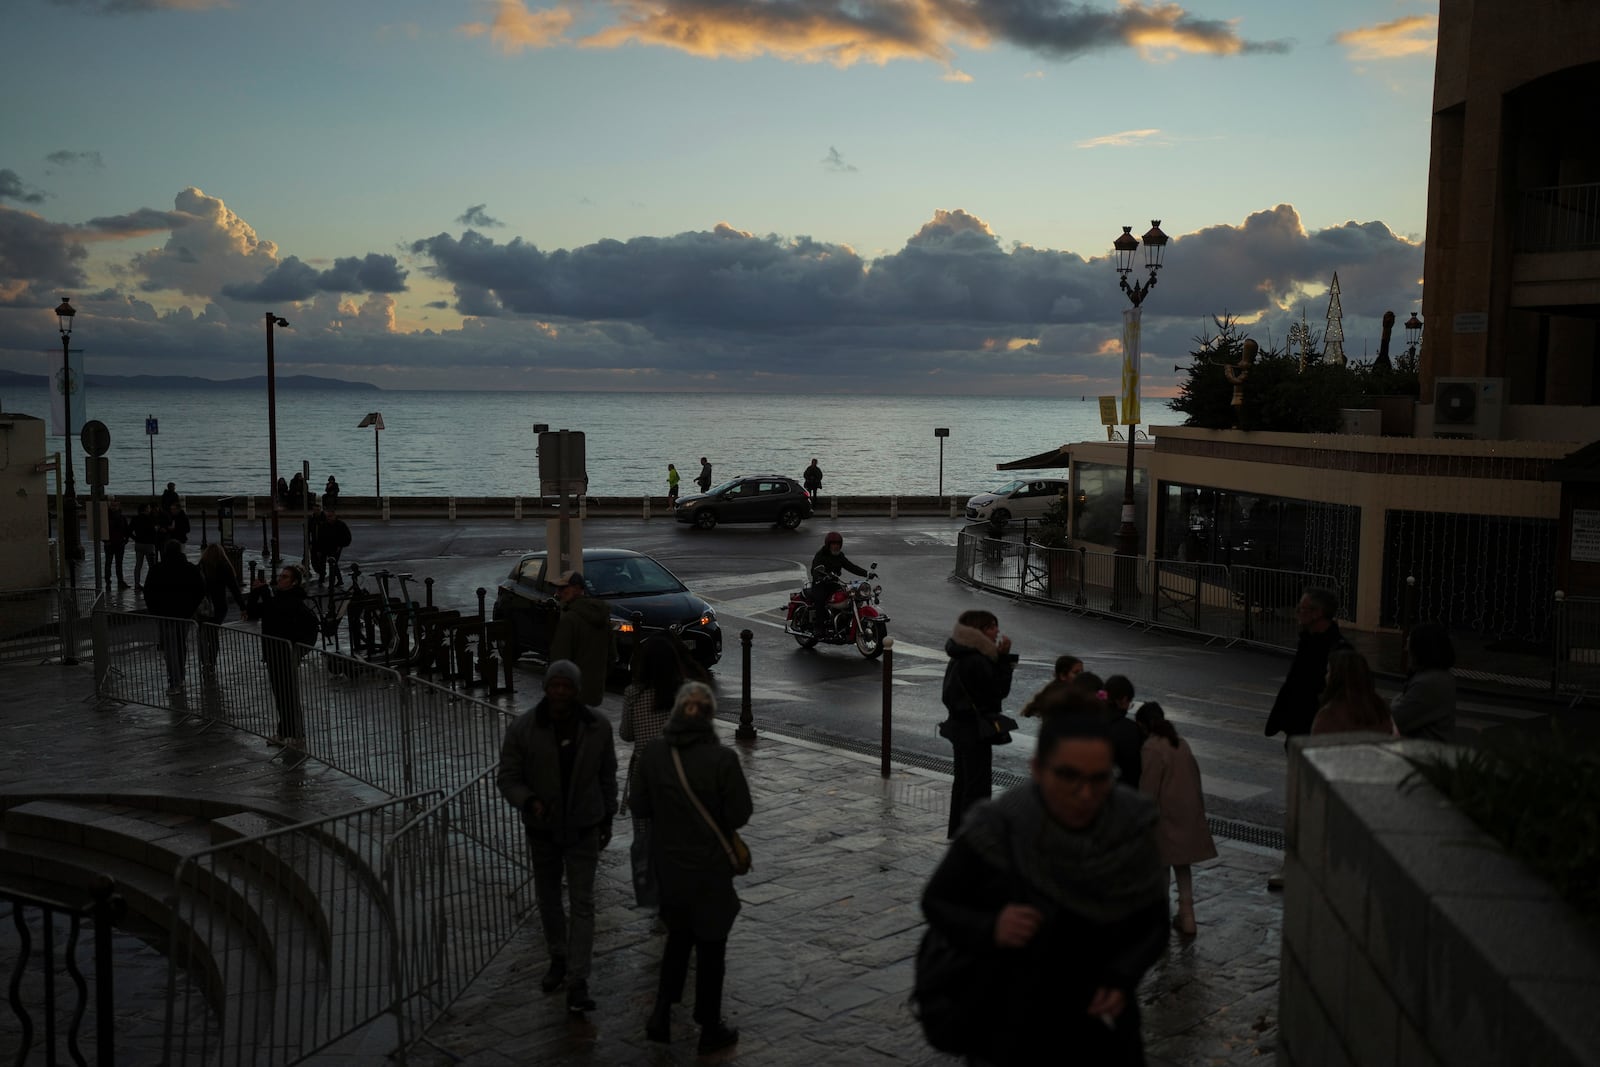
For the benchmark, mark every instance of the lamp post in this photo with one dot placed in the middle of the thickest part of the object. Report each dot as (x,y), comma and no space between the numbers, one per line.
(375,420)
(272,429)
(1413,339)
(73,550)
(941,432)
(1126,244)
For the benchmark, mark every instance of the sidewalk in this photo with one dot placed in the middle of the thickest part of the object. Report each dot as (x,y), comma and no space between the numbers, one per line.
(820,960)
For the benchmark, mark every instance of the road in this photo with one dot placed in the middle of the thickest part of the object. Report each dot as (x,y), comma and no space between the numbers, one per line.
(1218,697)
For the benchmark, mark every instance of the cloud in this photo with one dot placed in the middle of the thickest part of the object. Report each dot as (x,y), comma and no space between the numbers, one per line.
(141,7)
(477,217)
(138,223)
(515,28)
(293,280)
(834,162)
(12,187)
(1411,35)
(36,256)
(878,31)
(1119,140)
(64,158)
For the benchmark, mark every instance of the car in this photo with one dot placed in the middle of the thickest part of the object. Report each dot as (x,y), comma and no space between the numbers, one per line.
(644,597)
(773,498)
(1016,500)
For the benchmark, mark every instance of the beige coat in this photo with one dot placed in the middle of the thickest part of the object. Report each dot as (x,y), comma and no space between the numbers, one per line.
(1171,777)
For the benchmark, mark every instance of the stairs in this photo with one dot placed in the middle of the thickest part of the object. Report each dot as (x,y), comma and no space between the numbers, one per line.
(279,937)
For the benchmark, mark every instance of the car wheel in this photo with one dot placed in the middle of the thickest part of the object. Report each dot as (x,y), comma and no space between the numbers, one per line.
(789,518)
(705,518)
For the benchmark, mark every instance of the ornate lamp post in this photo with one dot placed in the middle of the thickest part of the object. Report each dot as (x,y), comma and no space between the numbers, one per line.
(69,508)
(272,429)
(1413,338)
(1126,244)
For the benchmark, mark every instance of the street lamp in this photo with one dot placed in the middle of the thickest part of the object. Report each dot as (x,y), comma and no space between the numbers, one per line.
(1126,244)
(375,420)
(1413,338)
(69,508)
(941,432)
(272,429)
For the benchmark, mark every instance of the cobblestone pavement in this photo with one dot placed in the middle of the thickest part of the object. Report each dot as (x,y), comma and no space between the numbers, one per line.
(820,960)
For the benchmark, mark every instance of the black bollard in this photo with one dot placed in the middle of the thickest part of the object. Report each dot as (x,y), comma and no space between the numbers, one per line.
(428,582)
(747,725)
(482,594)
(888,705)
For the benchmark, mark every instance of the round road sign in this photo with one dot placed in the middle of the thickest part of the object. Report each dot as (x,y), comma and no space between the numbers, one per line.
(95,437)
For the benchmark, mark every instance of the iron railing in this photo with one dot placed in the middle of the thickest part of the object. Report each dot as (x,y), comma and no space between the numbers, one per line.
(36,984)
(37,625)
(1559,218)
(1575,646)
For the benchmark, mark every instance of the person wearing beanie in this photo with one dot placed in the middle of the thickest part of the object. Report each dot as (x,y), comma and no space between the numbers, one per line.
(583,635)
(558,767)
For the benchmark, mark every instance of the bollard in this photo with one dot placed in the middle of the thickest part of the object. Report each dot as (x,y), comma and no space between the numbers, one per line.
(747,724)
(646,507)
(888,704)
(249,509)
(516,507)
(952,507)
(833,507)
(452,507)
(482,594)
(894,507)
(428,582)
(383,508)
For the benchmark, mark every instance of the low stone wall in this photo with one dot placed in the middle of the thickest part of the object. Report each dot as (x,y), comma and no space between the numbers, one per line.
(1410,937)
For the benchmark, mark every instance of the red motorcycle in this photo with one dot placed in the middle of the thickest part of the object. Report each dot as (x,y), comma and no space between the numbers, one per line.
(851,617)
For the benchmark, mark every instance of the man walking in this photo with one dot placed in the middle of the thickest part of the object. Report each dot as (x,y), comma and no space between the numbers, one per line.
(813,477)
(558,767)
(672,482)
(583,635)
(1301,692)
(704,481)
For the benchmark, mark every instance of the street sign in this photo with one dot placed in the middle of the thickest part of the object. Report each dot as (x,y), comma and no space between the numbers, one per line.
(151,428)
(941,431)
(97,471)
(95,437)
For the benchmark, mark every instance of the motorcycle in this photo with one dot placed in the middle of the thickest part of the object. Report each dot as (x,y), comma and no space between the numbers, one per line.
(850,617)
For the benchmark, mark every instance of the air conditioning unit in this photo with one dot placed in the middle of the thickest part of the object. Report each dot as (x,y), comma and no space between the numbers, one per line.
(1468,408)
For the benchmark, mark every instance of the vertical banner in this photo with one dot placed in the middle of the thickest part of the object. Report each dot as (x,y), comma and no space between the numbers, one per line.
(1130,367)
(65,382)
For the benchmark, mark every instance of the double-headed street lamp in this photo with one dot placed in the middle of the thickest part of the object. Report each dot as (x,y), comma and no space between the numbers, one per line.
(1155,244)
(272,429)
(69,508)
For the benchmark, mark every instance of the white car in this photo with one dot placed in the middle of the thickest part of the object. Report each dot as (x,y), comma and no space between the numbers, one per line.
(1016,500)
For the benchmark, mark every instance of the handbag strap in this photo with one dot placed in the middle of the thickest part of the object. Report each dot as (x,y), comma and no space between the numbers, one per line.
(677,761)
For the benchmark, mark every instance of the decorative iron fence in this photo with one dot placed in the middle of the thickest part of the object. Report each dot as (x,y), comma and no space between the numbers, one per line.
(36,982)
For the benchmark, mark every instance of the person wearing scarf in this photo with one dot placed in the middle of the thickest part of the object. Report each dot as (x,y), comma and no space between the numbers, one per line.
(976,680)
(1058,887)
(698,902)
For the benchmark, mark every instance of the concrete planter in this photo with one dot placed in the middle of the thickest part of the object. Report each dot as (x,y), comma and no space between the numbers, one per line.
(1410,937)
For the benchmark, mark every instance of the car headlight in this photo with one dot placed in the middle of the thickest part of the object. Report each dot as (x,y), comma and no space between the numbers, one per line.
(622,626)
(707,617)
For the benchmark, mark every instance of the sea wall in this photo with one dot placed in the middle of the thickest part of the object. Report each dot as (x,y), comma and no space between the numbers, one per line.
(1410,937)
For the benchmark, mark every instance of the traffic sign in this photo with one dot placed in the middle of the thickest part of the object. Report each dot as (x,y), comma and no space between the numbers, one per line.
(151,428)
(95,437)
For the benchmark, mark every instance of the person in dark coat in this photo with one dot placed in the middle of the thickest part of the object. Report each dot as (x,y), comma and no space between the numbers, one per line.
(647,703)
(583,634)
(976,680)
(558,767)
(704,481)
(289,627)
(222,582)
(813,478)
(297,490)
(1301,693)
(118,531)
(143,530)
(173,590)
(330,539)
(169,497)
(1057,886)
(1426,705)
(330,494)
(698,902)
(177,521)
(827,569)
(1126,740)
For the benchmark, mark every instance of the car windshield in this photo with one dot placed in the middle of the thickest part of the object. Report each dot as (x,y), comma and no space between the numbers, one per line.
(1009,487)
(629,576)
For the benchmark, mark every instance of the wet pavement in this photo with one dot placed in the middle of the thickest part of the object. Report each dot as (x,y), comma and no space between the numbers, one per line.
(819,962)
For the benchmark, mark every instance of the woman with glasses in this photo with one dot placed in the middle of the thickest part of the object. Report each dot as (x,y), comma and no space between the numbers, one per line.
(698,903)
(1057,892)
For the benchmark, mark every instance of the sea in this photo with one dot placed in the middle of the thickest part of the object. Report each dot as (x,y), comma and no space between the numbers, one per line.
(214,440)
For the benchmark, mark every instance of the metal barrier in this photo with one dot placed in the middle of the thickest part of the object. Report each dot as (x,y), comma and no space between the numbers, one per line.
(1575,641)
(37,625)
(38,916)
(1237,603)
(283,942)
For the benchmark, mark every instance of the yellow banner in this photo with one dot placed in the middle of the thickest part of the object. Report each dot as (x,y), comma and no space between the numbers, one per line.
(1130,367)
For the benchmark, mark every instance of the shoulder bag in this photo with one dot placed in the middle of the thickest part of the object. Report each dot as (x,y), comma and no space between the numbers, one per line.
(994,728)
(732,844)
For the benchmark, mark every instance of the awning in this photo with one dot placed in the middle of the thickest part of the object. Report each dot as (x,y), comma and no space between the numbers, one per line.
(1060,456)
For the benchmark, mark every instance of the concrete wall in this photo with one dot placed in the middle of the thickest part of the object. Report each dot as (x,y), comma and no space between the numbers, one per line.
(24,522)
(1412,939)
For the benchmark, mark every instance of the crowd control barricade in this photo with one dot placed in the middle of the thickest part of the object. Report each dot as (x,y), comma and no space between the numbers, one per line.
(1191,596)
(1267,598)
(282,942)
(37,625)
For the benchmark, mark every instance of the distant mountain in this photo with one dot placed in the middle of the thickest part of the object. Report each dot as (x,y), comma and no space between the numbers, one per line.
(183,381)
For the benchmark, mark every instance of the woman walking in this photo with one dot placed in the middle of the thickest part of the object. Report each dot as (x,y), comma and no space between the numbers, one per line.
(976,681)
(646,706)
(1171,777)
(1351,701)
(221,583)
(1056,889)
(685,782)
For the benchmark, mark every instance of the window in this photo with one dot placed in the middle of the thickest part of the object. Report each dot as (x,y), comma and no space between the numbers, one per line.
(773,488)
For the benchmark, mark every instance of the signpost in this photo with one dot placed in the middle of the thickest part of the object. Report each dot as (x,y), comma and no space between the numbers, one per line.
(375,420)
(562,468)
(150,431)
(941,432)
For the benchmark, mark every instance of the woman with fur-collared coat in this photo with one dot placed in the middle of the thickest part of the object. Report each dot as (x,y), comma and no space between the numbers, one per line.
(976,681)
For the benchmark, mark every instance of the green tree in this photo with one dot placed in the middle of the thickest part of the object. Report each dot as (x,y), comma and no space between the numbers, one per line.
(1278,395)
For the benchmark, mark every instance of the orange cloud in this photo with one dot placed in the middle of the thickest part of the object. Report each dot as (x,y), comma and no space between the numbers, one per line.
(1412,35)
(515,28)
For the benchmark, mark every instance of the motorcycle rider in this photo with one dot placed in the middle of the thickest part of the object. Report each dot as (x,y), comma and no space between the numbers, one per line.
(826,566)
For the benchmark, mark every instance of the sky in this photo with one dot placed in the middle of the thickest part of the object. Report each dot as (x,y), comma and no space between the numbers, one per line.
(876,196)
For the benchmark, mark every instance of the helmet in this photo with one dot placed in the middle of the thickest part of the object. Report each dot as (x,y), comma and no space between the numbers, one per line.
(834,538)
